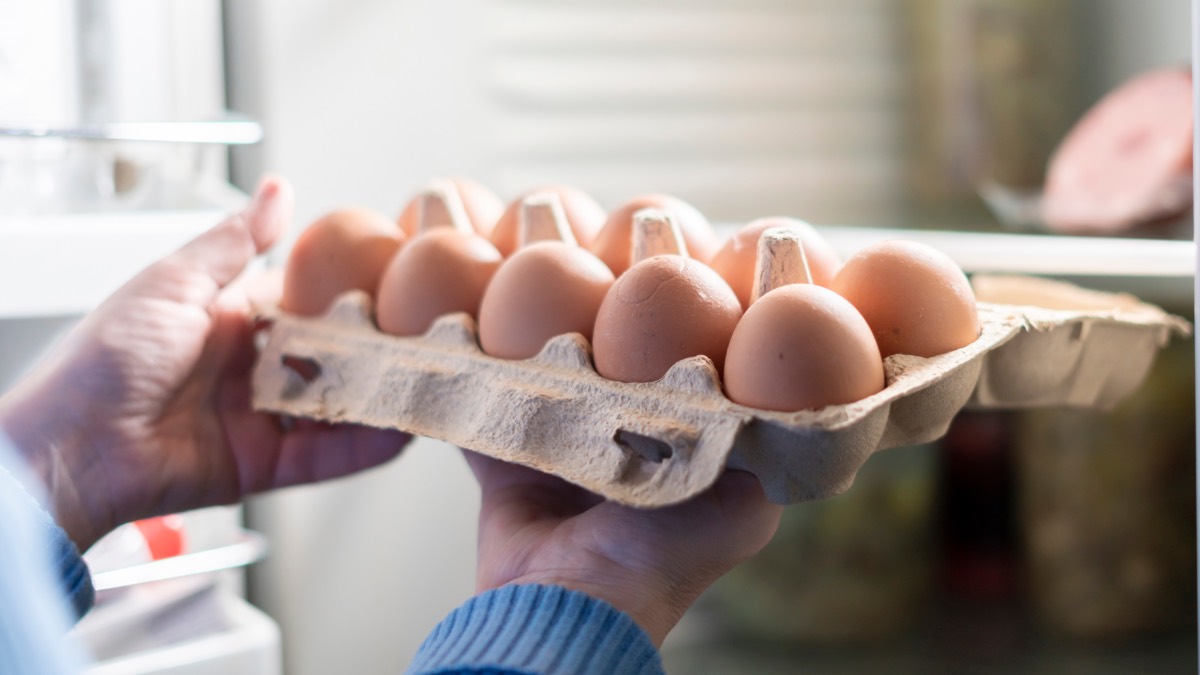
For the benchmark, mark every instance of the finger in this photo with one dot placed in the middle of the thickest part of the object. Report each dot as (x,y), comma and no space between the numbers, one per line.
(257,292)
(738,492)
(266,456)
(492,473)
(514,498)
(746,513)
(254,437)
(271,211)
(479,464)
(320,452)
(495,475)
(729,522)
(263,289)
(221,253)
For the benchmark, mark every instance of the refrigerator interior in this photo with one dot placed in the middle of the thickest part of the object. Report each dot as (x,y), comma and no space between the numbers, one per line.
(861,116)
(112,154)
(803,108)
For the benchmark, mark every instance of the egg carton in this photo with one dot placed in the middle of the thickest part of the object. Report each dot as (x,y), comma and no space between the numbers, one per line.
(655,444)
(1077,347)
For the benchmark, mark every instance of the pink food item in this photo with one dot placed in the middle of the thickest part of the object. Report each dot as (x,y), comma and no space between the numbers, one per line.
(1128,161)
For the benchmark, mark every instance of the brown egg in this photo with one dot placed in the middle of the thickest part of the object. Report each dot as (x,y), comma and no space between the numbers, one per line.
(584,216)
(735,260)
(549,287)
(800,347)
(546,289)
(663,309)
(442,271)
(481,205)
(343,250)
(916,300)
(613,242)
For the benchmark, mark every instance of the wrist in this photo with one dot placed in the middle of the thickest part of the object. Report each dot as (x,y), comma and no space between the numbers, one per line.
(54,452)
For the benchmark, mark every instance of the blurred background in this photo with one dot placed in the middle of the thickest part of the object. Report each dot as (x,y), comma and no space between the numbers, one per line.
(1025,541)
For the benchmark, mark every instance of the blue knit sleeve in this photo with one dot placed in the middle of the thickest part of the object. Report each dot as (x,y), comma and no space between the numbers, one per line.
(75,581)
(537,630)
(34,556)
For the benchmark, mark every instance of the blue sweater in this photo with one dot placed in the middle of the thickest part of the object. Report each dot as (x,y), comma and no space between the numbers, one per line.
(536,629)
(514,629)
(37,563)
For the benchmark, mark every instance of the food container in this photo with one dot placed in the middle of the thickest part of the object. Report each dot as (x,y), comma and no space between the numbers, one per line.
(855,568)
(655,444)
(1107,508)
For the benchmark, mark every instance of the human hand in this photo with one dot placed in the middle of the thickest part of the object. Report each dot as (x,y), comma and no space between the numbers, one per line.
(650,564)
(146,407)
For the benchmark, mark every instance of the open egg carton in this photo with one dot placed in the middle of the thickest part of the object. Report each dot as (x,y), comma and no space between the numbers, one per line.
(655,444)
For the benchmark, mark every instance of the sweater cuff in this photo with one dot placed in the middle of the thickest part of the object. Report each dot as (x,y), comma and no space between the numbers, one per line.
(537,629)
(75,581)
(75,578)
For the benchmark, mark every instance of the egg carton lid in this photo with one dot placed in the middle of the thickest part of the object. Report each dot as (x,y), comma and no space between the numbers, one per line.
(655,444)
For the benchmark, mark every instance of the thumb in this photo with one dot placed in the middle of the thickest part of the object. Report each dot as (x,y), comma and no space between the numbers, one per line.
(746,516)
(223,252)
(270,212)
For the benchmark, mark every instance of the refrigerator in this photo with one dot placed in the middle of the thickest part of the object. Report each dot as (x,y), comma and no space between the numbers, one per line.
(113,153)
(869,118)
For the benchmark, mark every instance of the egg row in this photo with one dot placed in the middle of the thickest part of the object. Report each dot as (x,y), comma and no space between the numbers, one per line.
(787,325)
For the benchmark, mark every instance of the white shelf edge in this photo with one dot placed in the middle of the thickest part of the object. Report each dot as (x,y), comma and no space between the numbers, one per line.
(67,265)
(1037,254)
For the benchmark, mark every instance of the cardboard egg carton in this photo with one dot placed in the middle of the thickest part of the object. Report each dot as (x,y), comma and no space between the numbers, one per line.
(659,443)
(1077,347)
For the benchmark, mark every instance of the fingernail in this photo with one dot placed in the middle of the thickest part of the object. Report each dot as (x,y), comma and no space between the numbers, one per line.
(264,200)
(270,210)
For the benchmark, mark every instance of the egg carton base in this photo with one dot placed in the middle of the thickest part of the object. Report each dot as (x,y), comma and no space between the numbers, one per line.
(641,444)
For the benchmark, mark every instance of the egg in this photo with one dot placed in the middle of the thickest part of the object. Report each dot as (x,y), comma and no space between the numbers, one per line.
(480,205)
(344,250)
(613,242)
(552,289)
(547,288)
(799,347)
(584,216)
(444,269)
(736,258)
(664,309)
(916,300)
